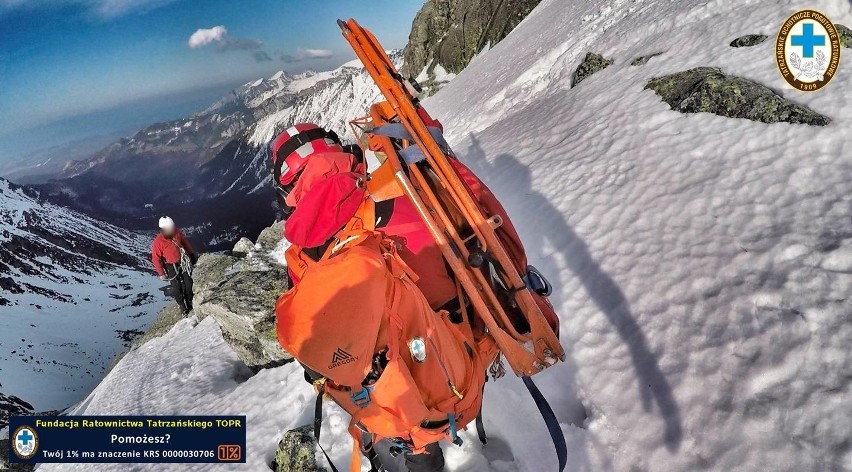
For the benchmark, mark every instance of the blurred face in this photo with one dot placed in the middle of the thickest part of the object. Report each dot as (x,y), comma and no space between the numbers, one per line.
(168,232)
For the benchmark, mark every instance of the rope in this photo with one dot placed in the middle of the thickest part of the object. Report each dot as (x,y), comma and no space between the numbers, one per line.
(183,265)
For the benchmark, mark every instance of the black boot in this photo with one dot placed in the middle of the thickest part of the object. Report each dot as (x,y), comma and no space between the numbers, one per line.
(430,461)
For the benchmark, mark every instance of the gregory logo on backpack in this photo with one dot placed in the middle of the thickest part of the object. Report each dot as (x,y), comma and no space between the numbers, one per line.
(341,357)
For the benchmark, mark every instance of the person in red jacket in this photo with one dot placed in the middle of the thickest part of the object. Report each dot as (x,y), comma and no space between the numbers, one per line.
(173,259)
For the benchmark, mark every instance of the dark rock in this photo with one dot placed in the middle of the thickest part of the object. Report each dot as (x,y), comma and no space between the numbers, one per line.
(591,64)
(11,405)
(708,89)
(642,60)
(297,452)
(845,35)
(450,32)
(129,335)
(270,237)
(748,40)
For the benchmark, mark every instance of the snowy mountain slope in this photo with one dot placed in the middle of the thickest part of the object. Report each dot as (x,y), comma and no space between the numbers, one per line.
(703,263)
(74,291)
(327,101)
(211,169)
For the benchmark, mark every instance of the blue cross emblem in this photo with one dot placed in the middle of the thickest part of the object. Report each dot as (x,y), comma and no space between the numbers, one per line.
(808,40)
(25,437)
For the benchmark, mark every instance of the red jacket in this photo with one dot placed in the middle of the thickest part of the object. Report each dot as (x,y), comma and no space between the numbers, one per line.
(327,199)
(168,250)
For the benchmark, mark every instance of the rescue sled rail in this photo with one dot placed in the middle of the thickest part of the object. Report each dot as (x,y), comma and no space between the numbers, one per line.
(443,177)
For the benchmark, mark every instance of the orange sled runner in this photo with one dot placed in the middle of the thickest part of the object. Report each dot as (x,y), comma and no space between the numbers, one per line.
(469,240)
(506,312)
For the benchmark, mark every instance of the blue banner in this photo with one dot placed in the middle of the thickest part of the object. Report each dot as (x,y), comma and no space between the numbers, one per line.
(128,439)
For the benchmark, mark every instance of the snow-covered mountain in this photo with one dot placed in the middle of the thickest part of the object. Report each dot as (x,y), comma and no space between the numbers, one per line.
(209,170)
(73,292)
(703,263)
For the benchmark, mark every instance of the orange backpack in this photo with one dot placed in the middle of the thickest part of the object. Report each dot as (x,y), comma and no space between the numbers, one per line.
(400,369)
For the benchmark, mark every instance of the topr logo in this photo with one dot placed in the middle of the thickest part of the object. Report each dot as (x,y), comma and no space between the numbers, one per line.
(341,357)
(25,442)
(807,50)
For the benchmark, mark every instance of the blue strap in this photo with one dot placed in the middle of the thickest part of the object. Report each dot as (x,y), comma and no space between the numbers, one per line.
(454,432)
(550,420)
(399,131)
(411,154)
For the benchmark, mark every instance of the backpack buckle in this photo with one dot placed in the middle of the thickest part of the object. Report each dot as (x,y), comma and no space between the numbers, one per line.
(361,398)
(399,446)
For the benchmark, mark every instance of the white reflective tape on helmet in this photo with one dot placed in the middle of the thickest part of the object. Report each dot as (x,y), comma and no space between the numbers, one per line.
(305,150)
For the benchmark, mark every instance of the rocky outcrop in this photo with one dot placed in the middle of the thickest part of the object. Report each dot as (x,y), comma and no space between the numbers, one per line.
(748,40)
(448,33)
(591,64)
(642,60)
(240,292)
(845,35)
(271,236)
(708,89)
(242,300)
(243,246)
(297,452)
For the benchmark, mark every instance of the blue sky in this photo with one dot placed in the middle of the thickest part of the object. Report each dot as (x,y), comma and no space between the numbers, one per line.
(76,68)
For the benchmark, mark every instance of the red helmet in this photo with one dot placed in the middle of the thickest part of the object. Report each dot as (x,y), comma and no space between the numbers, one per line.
(291,149)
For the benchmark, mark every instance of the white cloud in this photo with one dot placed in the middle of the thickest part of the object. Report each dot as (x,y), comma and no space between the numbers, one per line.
(219,36)
(203,37)
(315,53)
(115,8)
(304,54)
(106,9)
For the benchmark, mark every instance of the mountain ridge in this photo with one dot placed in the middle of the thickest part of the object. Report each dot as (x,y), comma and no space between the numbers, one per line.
(216,158)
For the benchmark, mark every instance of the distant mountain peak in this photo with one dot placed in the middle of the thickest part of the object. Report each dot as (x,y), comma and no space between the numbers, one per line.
(281,76)
(305,74)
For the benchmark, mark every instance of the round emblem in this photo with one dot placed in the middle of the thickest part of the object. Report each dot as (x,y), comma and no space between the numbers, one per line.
(417,347)
(25,442)
(807,50)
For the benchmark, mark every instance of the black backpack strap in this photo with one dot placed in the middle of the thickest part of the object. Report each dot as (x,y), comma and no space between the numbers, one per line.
(318,428)
(295,142)
(480,429)
(375,463)
(372,456)
(550,420)
(480,425)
